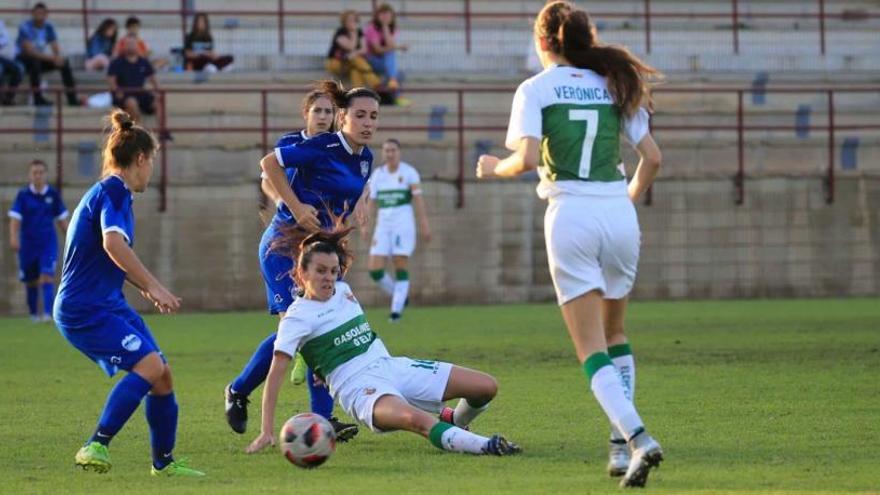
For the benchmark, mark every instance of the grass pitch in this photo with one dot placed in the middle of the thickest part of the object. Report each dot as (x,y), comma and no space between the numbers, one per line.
(766,396)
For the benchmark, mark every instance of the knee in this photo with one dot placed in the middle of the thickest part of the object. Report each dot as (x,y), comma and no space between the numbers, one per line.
(489,388)
(164,384)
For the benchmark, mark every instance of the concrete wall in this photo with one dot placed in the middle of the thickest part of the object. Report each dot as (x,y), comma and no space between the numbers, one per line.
(784,241)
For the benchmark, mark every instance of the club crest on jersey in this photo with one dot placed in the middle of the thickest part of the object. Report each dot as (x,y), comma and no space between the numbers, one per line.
(350,297)
(49,200)
(400,179)
(278,298)
(131,342)
(365,168)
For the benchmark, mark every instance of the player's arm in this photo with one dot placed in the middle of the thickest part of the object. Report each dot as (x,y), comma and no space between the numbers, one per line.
(362,210)
(649,165)
(63,223)
(269,191)
(14,230)
(306,216)
(523,159)
(270,399)
(421,212)
(125,258)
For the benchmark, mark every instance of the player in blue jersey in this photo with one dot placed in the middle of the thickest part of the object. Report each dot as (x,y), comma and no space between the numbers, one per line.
(314,182)
(91,311)
(32,218)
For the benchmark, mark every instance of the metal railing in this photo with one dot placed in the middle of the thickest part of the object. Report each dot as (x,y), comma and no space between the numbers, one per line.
(648,14)
(736,124)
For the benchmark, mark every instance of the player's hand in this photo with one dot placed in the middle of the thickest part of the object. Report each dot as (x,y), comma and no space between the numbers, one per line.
(260,443)
(14,244)
(163,299)
(306,217)
(486,166)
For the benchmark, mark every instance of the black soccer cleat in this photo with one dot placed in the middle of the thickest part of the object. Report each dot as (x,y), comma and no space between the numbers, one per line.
(344,431)
(236,410)
(498,445)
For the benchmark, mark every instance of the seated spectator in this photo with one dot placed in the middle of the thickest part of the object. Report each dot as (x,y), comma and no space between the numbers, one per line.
(346,57)
(382,46)
(127,75)
(35,36)
(100,47)
(10,73)
(198,48)
(133,29)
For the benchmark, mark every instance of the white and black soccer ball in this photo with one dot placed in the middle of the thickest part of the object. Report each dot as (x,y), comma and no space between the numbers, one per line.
(307,440)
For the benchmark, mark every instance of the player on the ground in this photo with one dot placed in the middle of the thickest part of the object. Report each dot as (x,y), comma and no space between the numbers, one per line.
(569,119)
(396,190)
(329,174)
(32,218)
(91,311)
(326,324)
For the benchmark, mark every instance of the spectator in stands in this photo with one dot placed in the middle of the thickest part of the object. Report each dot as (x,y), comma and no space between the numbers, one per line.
(10,73)
(100,47)
(347,55)
(35,36)
(198,48)
(133,30)
(127,75)
(382,46)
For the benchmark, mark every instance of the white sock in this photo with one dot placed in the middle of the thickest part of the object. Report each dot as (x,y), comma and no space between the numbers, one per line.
(465,413)
(386,283)
(626,367)
(398,300)
(608,389)
(456,439)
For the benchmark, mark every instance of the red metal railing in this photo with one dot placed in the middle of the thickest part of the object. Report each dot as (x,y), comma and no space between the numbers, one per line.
(737,124)
(647,15)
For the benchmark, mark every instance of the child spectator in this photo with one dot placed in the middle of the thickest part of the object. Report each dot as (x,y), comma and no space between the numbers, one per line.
(346,57)
(10,73)
(100,47)
(133,29)
(198,48)
(35,36)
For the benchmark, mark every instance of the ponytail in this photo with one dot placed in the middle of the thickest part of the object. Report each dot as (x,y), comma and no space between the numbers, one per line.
(340,97)
(125,141)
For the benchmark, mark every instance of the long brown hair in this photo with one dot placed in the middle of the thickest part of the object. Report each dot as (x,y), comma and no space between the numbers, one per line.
(299,245)
(124,142)
(381,9)
(569,32)
(315,95)
(341,97)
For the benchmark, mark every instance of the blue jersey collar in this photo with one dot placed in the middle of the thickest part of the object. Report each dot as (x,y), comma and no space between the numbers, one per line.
(41,192)
(345,144)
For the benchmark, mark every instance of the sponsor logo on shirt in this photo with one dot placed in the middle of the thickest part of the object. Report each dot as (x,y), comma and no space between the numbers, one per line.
(49,200)
(350,297)
(332,145)
(369,391)
(131,342)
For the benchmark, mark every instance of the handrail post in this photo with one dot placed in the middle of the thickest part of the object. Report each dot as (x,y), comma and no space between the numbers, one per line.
(735,6)
(183,23)
(647,26)
(740,180)
(85,22)
(264,120)
(59,142)
(822,27)
(163,133)
(467,26)
(460,180)
(829,180)
(280,27)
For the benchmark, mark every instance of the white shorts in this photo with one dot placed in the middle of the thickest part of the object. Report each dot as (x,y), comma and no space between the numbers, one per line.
(419,382)
(592,244)
(394,240)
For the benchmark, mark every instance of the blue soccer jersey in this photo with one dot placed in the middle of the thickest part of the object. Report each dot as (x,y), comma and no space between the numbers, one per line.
(91,283)
(37,211)
(329,176)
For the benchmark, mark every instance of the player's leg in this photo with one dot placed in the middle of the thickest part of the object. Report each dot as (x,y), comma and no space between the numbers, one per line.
(401,286)
(322,404)
(29,274)
(161,412)
(474,389)
(613,311)
(380,250)
(47,284)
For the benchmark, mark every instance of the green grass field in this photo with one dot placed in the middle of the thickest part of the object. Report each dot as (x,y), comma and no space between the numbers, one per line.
(766,396)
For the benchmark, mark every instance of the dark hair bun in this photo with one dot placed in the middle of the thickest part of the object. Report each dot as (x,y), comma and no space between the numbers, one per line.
(121,120)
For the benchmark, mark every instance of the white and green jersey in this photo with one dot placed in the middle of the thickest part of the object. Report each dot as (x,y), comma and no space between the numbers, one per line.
(571,111)
(393,193)
(333,336)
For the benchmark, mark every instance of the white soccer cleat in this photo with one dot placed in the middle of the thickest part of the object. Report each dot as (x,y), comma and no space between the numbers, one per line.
(618,458)
(646,454)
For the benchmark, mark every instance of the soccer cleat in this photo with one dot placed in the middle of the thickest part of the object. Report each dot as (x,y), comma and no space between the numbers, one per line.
(618,458)
(175,469)
(646,454)
(447,415)
(394,318)
(236,410)
(93,456)
(300,368)
(344,431)
(47,318)
(498,445)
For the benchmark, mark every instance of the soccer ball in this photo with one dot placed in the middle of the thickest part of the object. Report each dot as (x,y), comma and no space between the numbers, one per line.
(307,440)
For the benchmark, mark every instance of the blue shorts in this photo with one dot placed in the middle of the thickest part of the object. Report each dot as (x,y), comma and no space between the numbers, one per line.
(115,341)
(32,265)
(276,269)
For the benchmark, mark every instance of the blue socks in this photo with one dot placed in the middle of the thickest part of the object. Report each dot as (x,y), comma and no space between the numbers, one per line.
(322,402)
(121,404)
(48,298)
(32,294)
(256,370)
(161,411)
